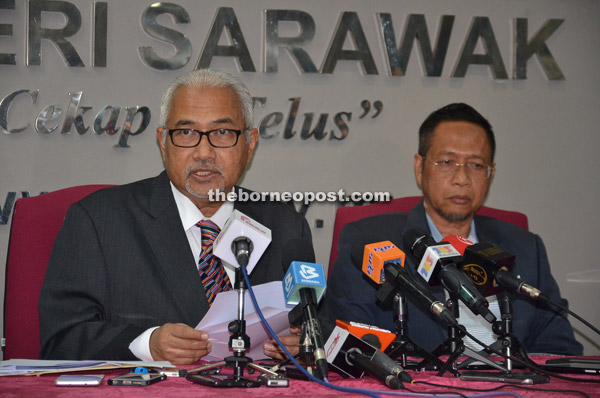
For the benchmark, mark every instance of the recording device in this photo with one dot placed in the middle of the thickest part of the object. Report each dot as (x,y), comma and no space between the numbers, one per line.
(572,365)
(303,286)
(273,381)
(352,357)
(240,236)
(383,262)
(438,264)
(136,379)
(222,381)
(79,380)
(489,267)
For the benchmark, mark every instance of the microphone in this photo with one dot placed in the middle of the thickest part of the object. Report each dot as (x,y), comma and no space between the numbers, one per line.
(384,262)
(377,337)
(376,256)
(510,282)
(351,356)
(242,241)
(303,286)
(438,264)
(242,248)
(494,263)
(482,262)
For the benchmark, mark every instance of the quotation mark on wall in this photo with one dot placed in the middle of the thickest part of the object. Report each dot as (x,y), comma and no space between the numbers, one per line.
(366,106)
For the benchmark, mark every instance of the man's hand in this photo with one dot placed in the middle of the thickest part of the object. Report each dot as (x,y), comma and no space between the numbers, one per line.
(179,344)
(292,343)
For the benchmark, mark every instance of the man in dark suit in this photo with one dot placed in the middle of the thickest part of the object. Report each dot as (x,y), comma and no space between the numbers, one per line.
(454,168)
(124,279)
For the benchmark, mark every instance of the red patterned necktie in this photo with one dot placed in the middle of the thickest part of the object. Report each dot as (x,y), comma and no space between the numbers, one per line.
(213,275)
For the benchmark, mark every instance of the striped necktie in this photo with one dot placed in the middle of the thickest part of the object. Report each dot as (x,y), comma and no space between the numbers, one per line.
(213,275)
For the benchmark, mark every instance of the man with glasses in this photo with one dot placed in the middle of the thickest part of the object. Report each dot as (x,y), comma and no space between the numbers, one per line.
(454,168)
(132,272)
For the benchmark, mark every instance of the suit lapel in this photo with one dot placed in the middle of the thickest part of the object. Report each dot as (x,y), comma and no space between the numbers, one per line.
(168,241)
(246,207)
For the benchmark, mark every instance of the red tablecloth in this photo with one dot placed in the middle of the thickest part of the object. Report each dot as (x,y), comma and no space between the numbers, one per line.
(43,387)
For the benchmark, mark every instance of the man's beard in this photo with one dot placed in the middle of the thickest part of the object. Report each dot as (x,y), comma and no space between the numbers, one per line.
(454,217)
(203,192)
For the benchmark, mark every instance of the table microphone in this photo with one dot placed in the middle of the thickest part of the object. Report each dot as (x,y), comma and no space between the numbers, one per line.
(242,239)
(437,263)
(303,286)
(384,262)
(490,266)
(352,357)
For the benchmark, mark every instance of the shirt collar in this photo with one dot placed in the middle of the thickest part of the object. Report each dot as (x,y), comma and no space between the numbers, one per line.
(437,235)
(190,214)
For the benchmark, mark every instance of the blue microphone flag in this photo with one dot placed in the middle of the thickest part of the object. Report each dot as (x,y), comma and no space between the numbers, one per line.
(301,275)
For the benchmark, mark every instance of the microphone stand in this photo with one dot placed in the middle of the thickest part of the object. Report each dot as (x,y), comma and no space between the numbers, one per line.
(510,345)
(455,346)
(307,347)
(403,346)
(239,341)
(311,341)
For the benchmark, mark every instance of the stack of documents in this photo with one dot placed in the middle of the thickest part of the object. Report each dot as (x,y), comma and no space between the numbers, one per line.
(34,367)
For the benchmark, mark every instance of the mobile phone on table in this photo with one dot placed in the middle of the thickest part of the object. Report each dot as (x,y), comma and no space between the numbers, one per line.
(79,380)
(224,381)
(136,379)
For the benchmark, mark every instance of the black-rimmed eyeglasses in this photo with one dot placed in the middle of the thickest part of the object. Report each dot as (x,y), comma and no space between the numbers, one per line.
(218,138)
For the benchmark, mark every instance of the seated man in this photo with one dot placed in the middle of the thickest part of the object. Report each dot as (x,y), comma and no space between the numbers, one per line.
(128,276)
(454,168)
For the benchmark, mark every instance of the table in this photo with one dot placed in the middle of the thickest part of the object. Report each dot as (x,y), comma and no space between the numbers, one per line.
(43,387)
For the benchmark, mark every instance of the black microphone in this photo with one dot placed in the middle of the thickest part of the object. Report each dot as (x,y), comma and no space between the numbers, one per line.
(242,248)
(510,282)
(357,358)
(352,356)
(396,277)
(384,360)
(485,262)
(437,263)
(303,286)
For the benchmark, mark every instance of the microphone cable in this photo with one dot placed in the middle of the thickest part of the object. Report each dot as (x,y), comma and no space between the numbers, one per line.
(504,386)
(528,363)
(547,299)
(326,383)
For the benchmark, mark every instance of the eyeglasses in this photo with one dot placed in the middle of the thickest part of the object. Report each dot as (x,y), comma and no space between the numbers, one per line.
(218,138)
(473,169)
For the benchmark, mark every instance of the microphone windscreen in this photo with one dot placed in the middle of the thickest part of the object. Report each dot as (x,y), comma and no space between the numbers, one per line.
(416,241)
(372,339)
(459,243)
(297,249)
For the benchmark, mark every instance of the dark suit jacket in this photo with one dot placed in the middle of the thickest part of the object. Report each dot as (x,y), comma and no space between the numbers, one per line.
(122,263)
(351,295)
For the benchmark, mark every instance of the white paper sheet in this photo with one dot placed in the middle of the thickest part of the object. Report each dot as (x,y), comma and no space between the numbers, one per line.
(225,309)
